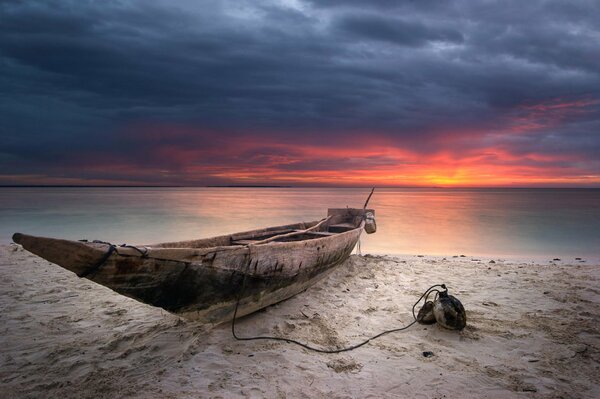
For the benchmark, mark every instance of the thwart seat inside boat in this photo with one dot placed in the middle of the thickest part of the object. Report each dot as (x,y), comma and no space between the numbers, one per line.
(338,220)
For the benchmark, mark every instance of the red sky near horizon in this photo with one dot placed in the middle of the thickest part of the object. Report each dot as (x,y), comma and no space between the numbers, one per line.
(472,157)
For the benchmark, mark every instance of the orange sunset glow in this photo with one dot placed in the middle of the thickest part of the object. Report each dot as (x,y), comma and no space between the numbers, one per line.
(495,156)
(348,103)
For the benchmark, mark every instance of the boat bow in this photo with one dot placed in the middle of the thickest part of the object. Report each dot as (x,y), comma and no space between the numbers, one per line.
(75,256)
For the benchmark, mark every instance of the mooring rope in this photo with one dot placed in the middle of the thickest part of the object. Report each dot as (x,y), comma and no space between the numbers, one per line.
(321,350)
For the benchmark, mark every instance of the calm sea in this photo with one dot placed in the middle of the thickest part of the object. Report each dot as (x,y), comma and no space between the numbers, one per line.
(536,223)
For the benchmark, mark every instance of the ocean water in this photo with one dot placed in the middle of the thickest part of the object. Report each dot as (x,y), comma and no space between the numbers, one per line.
(521,223)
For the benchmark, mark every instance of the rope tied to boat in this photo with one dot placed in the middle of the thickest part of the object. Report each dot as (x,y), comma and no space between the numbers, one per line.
(144,253)
(112,248)
(95,267)
(321,350)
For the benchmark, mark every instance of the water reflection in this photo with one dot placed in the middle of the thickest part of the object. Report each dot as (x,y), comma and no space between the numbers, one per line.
(428,221)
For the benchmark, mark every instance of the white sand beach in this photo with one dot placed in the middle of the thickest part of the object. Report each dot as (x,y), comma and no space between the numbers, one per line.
(532,331)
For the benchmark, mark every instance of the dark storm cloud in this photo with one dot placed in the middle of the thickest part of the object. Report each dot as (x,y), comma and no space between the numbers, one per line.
(78,78)
(394,30)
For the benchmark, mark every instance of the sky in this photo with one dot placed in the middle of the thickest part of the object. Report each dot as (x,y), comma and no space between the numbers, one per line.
(300,92)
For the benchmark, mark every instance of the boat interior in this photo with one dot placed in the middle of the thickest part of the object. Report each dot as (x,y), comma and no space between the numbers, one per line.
(338,220)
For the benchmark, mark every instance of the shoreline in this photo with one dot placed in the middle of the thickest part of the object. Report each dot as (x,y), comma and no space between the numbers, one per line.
(531,332)
(509,259)
(506,258)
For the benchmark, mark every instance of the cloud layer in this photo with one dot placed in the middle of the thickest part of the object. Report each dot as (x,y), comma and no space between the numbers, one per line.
(300,92)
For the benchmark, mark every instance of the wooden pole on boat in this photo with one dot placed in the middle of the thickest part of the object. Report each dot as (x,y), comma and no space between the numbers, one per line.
(368,198)
(294,233)
(369,221)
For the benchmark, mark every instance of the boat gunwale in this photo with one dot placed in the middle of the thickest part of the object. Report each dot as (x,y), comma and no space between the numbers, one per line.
(222,248)
(219,248)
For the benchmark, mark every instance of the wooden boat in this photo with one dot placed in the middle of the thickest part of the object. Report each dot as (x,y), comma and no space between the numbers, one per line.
(203,279)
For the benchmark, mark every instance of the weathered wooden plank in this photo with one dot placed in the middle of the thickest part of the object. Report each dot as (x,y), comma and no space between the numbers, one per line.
(317,233)
(295,232)
(244,242)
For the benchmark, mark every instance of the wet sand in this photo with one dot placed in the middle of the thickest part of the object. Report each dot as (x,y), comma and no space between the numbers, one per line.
(532,331)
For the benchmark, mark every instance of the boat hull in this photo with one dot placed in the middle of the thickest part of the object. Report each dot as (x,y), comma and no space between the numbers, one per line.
(289,275)
(203,284)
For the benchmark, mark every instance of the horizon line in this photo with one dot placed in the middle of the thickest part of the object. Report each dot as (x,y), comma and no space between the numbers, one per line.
(283,186)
